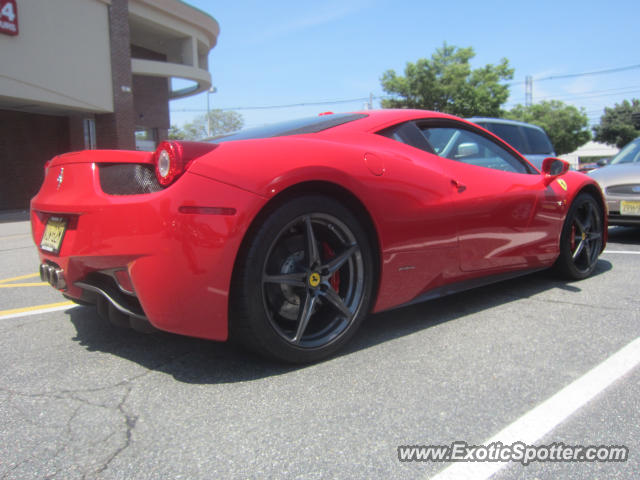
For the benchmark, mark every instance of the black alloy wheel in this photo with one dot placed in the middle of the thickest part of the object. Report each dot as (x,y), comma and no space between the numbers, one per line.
(582,238)
(305,283)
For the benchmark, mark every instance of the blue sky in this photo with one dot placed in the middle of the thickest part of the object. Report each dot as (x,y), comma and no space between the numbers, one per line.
(292,52)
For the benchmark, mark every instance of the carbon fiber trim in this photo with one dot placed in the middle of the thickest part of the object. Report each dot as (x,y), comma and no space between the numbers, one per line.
(128,179)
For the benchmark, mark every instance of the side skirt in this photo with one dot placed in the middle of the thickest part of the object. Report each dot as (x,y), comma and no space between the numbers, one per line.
(458,287)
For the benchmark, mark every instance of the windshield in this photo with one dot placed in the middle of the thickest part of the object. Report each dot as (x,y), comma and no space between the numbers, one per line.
(629,154)
(292,127)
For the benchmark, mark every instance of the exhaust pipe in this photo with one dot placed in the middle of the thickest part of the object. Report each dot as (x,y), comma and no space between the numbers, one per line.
(54,276)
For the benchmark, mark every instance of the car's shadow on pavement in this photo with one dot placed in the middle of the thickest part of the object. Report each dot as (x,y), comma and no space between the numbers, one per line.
(198,361)
(625,235)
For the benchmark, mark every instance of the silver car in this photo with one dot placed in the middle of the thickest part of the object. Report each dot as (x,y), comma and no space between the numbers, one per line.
(620,182)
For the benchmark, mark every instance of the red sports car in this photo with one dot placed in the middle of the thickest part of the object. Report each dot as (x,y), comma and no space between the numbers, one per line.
(286,237)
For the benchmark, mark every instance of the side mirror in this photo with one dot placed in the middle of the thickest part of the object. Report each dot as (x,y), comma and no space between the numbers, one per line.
(553,167)
(467,150)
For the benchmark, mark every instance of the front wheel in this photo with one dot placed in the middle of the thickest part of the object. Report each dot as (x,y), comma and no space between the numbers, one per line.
(581,238)
(304,282)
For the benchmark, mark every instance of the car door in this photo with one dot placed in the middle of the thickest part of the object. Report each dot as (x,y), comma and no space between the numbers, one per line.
(507,218)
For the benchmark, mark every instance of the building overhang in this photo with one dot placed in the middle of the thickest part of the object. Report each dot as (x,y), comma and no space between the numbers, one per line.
(183,34)
(202,78)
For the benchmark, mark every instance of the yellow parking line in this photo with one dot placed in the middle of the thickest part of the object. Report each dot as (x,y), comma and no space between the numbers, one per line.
(21,277)
(6,313)
(19,235)
(10,285)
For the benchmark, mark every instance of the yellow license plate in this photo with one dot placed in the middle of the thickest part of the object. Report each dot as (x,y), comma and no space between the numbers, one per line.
(53,234)
(629,208)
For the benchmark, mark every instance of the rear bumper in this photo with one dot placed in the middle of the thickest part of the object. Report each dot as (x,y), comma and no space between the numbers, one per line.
(179,264)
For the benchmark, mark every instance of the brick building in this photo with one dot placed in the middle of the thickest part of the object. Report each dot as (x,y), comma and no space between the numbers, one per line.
(84,74)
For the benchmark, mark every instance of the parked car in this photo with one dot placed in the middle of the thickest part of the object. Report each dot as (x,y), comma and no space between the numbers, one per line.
(530,140)
(285,237)
(620,182)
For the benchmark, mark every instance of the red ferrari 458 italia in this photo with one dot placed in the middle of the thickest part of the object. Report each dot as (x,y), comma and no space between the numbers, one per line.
(285,237)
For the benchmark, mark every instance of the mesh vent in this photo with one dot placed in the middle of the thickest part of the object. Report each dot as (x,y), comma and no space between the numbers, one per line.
(128,179)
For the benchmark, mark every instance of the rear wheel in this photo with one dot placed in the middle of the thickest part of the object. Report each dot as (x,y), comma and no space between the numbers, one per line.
(304,283)
(582,237)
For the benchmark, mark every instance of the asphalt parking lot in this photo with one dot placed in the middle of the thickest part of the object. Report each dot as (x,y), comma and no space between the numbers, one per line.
(82,399)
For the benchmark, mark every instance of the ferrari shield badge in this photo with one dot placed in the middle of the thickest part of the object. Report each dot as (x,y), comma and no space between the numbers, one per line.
(563,184)
(314,280)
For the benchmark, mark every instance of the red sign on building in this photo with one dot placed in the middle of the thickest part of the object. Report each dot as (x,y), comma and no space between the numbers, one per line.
(8,17)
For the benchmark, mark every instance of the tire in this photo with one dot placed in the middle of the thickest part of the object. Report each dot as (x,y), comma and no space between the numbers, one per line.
(581,238)
(303,282)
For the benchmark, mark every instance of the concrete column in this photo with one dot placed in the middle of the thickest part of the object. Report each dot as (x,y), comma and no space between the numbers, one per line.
(117,129)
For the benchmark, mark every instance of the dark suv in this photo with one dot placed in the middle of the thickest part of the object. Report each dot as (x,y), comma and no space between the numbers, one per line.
(530,140)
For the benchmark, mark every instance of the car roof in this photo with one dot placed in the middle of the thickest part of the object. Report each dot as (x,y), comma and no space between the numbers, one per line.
(379,119)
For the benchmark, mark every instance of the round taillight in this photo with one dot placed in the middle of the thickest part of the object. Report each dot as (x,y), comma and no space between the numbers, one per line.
(164,164)
(168,161)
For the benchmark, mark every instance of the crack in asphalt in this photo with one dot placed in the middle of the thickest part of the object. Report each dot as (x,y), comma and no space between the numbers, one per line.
(128,425)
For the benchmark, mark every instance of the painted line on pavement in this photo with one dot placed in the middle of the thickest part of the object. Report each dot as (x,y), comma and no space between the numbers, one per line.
(21,277)
(12,285)
(536,423)
(17,235)
(35,310)
(625,252)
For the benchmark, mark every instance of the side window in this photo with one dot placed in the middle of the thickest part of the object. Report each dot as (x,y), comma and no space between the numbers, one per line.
(407,133)
(440,139)
(509,133)
(471,148)
(538,142)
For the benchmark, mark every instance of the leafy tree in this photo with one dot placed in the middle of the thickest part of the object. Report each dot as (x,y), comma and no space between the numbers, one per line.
(175,133)
(220,122)
(566,126)
(616,125)
(447,83)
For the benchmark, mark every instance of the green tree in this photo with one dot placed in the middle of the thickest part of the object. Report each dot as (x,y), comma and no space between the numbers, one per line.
(220,122)
(447,83)
(616,125)
(566,126)
(175,133)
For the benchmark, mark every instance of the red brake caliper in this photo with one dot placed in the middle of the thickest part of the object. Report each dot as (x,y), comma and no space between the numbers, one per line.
(329,254)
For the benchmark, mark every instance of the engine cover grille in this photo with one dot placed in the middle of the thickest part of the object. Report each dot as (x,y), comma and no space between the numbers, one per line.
(128,179)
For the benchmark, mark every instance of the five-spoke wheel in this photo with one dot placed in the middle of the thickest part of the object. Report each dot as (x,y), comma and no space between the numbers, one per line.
(582,237)
(305,283)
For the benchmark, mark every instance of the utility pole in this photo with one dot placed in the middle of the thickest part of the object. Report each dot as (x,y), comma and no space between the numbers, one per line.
(211,90)
(528,90)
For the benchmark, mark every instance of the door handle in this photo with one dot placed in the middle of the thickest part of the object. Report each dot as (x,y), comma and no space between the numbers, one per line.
(461,187)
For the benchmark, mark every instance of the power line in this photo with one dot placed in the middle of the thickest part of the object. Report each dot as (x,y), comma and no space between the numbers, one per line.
(595,93)
(377,97)
(290,105)
(585,74)
(583,95)
(575,75)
